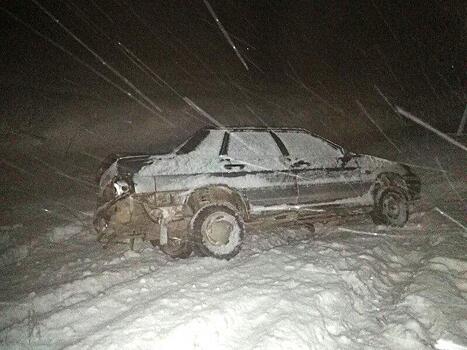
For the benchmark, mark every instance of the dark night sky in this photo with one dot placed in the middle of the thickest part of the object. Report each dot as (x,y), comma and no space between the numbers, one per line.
(335,42)
(337,32)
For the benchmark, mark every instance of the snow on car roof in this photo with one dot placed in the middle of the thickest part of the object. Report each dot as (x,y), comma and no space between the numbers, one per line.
(268,129)
(257,128)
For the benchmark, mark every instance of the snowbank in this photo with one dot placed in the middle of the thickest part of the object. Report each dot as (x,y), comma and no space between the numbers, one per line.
(14,254)
(10,251)
(63,233)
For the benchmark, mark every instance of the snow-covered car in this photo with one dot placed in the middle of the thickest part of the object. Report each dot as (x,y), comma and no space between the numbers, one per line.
(200,196)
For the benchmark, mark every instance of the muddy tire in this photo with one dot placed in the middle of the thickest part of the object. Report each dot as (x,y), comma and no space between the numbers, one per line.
(217,231)
(175,248)
(392,208)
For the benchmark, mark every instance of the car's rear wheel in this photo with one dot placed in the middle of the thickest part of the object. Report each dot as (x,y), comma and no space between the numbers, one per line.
(392,208)
(217,231)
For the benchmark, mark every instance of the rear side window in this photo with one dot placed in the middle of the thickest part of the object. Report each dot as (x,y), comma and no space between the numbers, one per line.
(254,147)
(303,146)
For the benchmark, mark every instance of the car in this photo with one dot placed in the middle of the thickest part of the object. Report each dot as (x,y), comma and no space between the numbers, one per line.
(200,196)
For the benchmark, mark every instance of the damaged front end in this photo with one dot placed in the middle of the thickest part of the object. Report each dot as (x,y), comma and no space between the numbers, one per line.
(125,215)
(116,209)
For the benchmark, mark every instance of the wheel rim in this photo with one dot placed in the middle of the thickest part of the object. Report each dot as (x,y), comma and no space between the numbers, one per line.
(218,228)
(391,206)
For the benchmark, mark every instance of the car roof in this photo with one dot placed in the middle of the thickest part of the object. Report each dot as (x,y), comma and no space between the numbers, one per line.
(268,129)
(256,128)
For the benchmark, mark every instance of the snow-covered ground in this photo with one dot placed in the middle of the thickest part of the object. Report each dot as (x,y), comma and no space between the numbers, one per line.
(350,285)
(400,290)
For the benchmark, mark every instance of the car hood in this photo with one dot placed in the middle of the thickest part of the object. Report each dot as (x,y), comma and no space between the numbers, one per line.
(132,165)
(125,165)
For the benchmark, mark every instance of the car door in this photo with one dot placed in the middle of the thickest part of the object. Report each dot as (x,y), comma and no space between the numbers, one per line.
(322,174)
(254,164)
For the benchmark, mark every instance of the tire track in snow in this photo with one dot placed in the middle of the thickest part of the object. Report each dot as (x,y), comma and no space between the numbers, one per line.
(111,289)
(57,289)
(168,291)
(137,308)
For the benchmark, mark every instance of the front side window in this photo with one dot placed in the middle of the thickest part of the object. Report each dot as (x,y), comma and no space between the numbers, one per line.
(310,149)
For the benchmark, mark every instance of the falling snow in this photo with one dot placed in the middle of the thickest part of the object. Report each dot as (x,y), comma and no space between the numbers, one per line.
(86,79)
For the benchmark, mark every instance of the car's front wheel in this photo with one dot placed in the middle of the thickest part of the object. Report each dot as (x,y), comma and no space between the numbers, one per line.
(217,231)
(392,208)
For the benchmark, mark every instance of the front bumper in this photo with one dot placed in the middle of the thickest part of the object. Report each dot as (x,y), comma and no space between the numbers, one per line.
(105,217)
(130,216)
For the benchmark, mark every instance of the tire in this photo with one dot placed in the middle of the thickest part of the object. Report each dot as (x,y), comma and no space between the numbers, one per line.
(392,208)
(175,248)
(217,231)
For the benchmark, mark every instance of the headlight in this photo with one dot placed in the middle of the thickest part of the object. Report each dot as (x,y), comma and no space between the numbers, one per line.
(121,187)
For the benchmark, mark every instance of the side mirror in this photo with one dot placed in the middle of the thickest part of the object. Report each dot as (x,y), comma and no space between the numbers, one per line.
(347,156)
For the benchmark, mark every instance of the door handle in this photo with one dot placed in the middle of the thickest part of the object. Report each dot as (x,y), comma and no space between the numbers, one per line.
(300,163)
(232,166)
